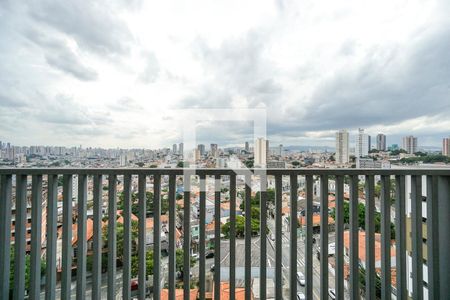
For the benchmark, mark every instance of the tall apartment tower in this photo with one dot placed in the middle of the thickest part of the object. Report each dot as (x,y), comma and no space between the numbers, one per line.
(247,147)
(174,148)
(342,147)
(446,147)
(180,149)
(260,152)
(214,150)
(280,150)
(362,144)
(267,149)
(381,142)
(201,148)
(410,144)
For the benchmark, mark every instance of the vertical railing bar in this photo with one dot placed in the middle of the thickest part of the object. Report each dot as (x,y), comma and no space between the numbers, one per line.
(67,238)
(354,238)
(126,277)
(339,276)
(187,237)
(370,238)
(232,237)
(19,237)
(5,234)
(416,233)
(157,236)
(217,249)
(263,258)
(278,238)
(432,237)
(400,237)
(248,236)
(142,195)
(202,253)
(36,237)
(81,234)
(385,237)
(112,239)
(309,238)
(52,215)
(293,236)
(172,230)
(97,247)
(324,236)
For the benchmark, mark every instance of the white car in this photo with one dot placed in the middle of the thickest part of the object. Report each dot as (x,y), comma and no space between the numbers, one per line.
(301,296)
(196,256)
(301,278)
(332,293)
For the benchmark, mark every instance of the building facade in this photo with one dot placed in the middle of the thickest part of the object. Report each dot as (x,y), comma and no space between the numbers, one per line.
(362,144)
(446,147)
(410,144)
(381,142)
(342,147)
(260,152)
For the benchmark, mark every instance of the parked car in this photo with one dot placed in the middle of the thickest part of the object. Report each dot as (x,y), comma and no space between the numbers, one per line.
(301,296)
(301,278)
(212,268)
(209,254)
(196,256)
(332,293)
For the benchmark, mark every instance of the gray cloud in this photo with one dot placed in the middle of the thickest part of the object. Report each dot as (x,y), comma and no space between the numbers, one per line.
(60,56)
(92,24)
(239,68)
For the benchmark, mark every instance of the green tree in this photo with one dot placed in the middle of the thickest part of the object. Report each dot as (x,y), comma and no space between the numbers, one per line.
(27,269)
(361,218)
(240,227)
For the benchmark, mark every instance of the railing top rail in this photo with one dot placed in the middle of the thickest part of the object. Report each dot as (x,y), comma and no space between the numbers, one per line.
(212,172)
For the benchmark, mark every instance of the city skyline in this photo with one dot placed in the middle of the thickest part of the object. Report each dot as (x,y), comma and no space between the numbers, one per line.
(124,74)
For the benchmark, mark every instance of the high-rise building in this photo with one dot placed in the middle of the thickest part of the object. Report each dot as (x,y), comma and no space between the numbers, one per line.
(247,147)
(267,149)
(214,150)
(362,144)
(196,154)
(446,146)
(260,152)
(174,148)
(381,142)
(410,144)
(201,148)
(342,147)
(180,149)
(280,150)
(370,143)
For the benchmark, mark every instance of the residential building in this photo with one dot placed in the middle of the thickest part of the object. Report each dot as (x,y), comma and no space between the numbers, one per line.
(247,147)
(214,150)
(410,144)
(342,147)
(362,144)
(260,152)
(446,146)
(370,163)
(174,148)
(180,149)
(381,142)
(201,148)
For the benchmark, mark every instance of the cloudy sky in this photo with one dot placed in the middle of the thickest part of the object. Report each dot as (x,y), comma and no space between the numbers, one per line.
(120,75)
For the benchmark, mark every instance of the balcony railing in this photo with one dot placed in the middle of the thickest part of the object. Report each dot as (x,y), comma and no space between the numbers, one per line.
(370,276)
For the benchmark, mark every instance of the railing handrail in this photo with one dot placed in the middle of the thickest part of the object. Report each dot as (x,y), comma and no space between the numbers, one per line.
(223,172)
